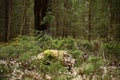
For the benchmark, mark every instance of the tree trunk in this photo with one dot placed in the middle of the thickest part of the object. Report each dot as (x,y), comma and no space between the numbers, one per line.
(89,23)
(40,9)
(8,19)
(24,15)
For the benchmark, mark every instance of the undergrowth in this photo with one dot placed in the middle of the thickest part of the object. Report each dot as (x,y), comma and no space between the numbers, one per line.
(88,55)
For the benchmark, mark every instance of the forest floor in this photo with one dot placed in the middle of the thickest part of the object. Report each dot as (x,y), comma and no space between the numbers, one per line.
(26,58)
(75,73)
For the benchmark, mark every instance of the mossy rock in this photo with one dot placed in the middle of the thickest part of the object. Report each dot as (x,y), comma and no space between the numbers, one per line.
(59,54)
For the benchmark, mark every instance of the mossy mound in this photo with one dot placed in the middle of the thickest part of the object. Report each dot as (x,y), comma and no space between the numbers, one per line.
(59,54)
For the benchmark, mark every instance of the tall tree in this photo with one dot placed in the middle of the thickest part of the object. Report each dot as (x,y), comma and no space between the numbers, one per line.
(89,19)
(16,18)
(114,19)
(40,9)
(8,19)
(2,19)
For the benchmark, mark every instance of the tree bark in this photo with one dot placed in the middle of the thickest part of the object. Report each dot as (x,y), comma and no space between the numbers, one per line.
(40,9)
(8,19)
(24,15)
(89,23)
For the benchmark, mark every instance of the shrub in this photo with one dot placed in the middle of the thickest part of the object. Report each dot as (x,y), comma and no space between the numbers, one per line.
(84,45)
(112,51)
(69,43)
(93,64)
(78,55)
(5,70)
(48,42)
(89,68)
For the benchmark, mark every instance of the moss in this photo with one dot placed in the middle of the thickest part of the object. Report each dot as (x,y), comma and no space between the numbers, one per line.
(55,53)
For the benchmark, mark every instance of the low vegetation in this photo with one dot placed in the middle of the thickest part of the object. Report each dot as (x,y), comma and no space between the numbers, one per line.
(93,60)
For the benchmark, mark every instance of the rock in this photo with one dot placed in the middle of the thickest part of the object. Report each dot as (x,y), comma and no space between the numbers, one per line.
(55,53)
(61,55)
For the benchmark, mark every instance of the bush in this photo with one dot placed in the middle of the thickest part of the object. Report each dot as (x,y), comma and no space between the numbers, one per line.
(5,70)
(48,42)
(84,45)
(93,64)
(112,51)
(89,68)
(78,55)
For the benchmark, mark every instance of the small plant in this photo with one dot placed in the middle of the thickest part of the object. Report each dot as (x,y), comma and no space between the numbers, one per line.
(89,68)
(5,70)
(112,51)
(84,45)
(69,43)
(78,55)
(62,77)
(56,43)
(92,65)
